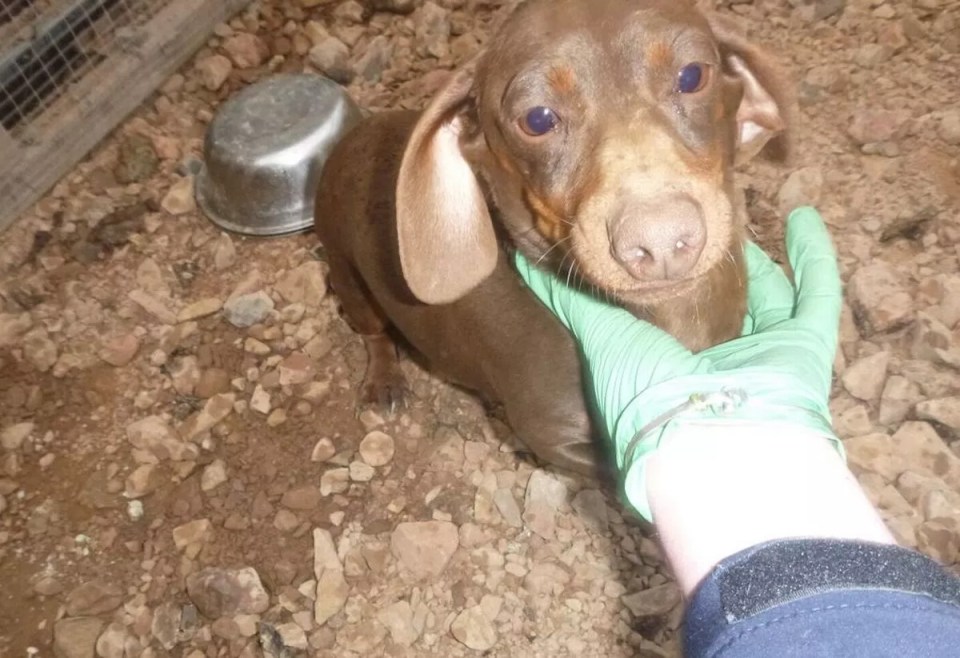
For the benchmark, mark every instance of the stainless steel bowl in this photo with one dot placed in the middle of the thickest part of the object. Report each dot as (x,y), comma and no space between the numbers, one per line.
(264,152)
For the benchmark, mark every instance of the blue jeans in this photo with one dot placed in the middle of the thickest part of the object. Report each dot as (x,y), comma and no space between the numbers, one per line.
(825,598)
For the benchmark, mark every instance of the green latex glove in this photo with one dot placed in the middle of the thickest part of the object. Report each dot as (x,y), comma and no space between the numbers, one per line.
(777,374)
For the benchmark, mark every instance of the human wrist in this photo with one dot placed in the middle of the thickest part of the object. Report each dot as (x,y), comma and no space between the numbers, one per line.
(724,406)
(715,490)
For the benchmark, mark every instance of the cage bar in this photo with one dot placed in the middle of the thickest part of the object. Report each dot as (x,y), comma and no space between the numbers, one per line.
(72,70)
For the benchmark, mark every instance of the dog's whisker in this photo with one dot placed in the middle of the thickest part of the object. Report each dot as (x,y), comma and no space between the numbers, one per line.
(547,252)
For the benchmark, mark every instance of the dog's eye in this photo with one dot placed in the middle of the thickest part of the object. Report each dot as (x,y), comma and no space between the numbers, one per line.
(539,121)
(692,78)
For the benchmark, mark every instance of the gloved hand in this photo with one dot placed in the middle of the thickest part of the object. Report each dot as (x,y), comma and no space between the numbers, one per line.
(647,386)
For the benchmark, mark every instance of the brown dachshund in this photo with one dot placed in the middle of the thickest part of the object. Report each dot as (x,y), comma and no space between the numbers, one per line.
(596,136)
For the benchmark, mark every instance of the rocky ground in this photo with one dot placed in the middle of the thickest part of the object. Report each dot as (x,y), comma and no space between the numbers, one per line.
(182,470)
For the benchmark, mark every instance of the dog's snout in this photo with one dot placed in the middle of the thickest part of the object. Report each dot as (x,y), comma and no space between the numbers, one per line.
(660,239)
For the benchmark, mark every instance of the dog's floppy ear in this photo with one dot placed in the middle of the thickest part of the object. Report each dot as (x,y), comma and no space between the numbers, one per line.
(446,238)
(766,106)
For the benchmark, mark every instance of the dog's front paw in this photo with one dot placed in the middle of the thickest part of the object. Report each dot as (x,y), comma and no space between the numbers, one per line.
(385,390)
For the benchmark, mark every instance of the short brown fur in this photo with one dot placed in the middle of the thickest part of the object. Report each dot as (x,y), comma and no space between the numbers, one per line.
(419,211)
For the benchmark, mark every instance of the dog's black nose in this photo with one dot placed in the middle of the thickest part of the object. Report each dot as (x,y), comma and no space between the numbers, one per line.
(661,238)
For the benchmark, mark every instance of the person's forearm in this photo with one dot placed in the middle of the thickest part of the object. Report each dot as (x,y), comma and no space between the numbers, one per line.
(713,495)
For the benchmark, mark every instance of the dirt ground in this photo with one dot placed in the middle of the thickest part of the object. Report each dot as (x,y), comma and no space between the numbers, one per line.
(183,471)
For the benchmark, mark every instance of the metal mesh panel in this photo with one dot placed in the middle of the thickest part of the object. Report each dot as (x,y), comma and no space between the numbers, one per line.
(48,45)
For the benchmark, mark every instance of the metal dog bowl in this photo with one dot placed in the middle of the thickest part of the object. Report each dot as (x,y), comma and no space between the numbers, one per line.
(264,152)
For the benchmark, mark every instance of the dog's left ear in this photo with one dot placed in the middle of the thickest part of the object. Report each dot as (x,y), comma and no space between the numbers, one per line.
(445,234)
(767,101)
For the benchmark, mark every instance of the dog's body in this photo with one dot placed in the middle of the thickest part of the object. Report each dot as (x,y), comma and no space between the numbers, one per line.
(557,143)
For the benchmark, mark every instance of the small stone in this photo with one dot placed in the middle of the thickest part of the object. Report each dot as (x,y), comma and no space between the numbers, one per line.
(591,506)
(315,31)
(194,532)
(246,624)
(76,637)
(166,624)
(143,481)
(153,305)
(153,435)
(292,635)
(914,486)
(227,592)
(224,253)
(919,444)
(933,341)
(303,498)
(246,50)
(653,602)
(332,58)
(253,346)
(823,9)
(873,453)
(377,448)
(323,450)
(316,392)
(324,552)
(332,592)
(199,309)
(13,436)
(879,300)
(179,199)
(507,505)
(939,540)
(362,638)
(260,400)
(432,30)
(945,411)
(293,313)
(854,421)
(277,418)
(864,378)
(885,11)
(375,60)
(214,71)
(136,160)
(39,350)
(802,188)
(12,327)
(297,368)
(545,578)
(360,472)
(286,521)
(185,374)
(424,548)
(215,410)
(120,350)
(893,36)
(349,12)
(869,55)
(48,586)
(113,641)
(225,628)
(247,310)
(876,125)
(93,598)
(398,620)
(949,127)
(336,480)
(898,398)
(472,628)
(213,475)
(940,504)
(213,381)
(544,496)
(305,284)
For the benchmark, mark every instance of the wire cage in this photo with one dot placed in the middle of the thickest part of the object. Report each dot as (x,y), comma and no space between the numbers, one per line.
(71,70)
